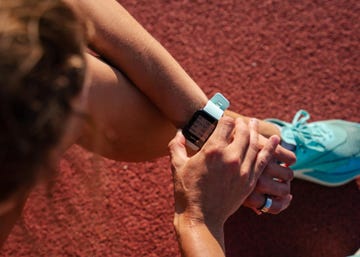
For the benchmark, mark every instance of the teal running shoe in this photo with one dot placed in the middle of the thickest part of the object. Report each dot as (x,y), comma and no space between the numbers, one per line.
(357,254)
(327,152)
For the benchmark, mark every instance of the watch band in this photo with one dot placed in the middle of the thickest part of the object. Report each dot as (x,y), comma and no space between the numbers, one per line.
(216,106)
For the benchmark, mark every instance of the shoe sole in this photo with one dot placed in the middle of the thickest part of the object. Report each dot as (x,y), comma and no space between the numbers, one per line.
(311,175)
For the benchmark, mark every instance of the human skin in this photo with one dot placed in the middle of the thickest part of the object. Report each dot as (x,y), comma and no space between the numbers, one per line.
(147,135)
(106,90)
(212,184)
(161,100)
(122,41)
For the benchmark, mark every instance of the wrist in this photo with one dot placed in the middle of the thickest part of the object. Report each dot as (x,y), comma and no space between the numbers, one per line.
(204,121)
(196,239)
(187,226)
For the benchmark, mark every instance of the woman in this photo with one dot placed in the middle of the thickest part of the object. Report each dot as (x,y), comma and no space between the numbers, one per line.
(55,94)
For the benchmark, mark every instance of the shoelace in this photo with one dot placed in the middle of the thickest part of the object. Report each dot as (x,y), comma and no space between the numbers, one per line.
(306,137)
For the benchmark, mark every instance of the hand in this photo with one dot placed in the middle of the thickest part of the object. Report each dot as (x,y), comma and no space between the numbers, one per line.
(357,179)
(274,182)
(212,184)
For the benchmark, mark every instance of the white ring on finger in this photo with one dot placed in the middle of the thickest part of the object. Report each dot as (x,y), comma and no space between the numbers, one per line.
(267,205)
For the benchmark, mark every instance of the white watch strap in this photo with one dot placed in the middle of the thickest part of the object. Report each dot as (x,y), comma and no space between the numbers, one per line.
(217,105)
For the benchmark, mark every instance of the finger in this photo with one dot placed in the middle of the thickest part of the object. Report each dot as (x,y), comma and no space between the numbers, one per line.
(252,150)
(285,156)
(279,172)
(280,204)
(358,181)
(268,186)
(256,201)
(266,154)
(281,154)
(177,150)
(241,139)
(223,132)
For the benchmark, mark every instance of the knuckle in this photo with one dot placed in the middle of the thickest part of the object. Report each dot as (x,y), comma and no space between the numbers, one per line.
(261,185)
(233,161)
(280,189)
(245,175)
(284,190)
(290,175)
(264,157)
(285,205)
(227,120)
(262,141)
(276,210)
(262,164)
(254,145)
(242,129)
(233,166)
(172,143)
(281,205)
(287,174)
(212,151)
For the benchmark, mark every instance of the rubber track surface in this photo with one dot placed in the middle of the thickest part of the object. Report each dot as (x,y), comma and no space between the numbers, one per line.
(271,58)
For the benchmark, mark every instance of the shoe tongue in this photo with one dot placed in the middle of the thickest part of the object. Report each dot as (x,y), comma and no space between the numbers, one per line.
(329,138)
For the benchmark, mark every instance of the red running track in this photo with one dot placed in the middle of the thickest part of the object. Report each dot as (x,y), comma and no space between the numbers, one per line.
(270,58)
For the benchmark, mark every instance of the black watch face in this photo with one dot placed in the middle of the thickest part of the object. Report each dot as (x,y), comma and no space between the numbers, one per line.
(199,128)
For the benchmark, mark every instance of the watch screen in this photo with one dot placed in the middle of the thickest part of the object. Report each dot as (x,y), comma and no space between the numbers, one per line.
(199,128)
(202,128)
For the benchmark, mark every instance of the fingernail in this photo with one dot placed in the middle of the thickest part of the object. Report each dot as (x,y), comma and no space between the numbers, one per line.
(275,139)
(254,122)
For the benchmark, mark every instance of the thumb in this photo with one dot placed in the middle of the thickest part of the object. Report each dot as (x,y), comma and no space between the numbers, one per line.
(177,150)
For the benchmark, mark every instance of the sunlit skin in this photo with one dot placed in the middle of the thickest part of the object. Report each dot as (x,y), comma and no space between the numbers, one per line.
(157,103)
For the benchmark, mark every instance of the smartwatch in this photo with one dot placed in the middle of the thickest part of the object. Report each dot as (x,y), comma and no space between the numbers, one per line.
(204,121)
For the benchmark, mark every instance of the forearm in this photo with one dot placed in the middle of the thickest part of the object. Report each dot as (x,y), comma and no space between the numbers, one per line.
(127,45)
(130,48)
(123,42)
(197,239)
